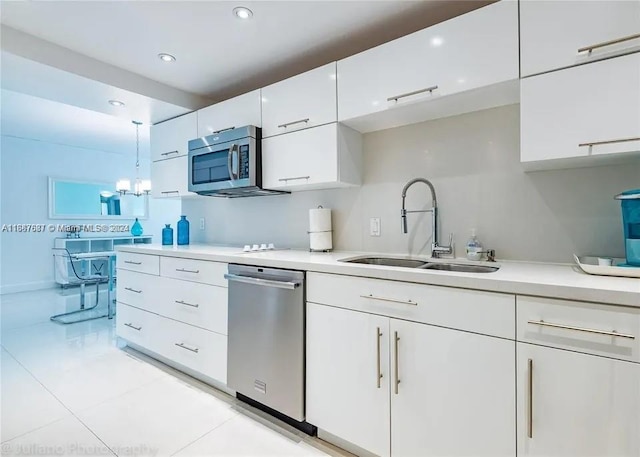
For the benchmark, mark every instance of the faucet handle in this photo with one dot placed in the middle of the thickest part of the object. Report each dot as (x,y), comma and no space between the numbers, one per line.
(450,240)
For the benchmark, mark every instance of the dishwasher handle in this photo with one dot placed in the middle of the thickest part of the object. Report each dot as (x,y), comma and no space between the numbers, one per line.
(262,282)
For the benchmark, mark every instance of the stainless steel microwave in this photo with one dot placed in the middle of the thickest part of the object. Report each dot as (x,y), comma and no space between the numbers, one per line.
(228,163)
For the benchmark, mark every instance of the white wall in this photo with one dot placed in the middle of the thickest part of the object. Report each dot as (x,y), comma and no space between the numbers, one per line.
(26,164)
(473,161)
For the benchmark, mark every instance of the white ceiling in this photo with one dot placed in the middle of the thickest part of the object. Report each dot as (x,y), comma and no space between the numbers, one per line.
(25,116)
(218,54)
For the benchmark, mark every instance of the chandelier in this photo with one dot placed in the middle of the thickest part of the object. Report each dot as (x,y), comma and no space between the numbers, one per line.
(141,186)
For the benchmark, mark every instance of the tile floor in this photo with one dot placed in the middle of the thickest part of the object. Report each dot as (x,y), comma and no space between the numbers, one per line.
(71,390)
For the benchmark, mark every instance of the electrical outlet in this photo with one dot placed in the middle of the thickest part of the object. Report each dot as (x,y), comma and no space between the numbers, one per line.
(202,223)
(374,226)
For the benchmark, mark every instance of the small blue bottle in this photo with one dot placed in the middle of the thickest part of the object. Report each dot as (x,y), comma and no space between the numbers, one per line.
(183,230)
(167,235)
(136,228)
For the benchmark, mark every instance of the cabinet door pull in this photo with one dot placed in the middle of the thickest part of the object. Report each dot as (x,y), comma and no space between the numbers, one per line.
(582,329)
(284,126)
(530,398)
(215,132)
(608,43)
(133,290)
(132,262)
(391,300)
(183,270)
(130,325)
(597,143)
(184,346)
(169,153)
(170,192)
(409,94)
(396,340)
(180,302)
(293,179)
(378,372)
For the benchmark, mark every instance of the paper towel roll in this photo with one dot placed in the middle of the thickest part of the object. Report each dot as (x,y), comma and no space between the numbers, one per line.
(319,220)
(321,241)
(320,235)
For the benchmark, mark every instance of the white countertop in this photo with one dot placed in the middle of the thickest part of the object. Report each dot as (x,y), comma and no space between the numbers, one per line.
(523,278)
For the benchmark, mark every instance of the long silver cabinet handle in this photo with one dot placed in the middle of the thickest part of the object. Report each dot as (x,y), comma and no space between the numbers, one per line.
(170,192)
(133,290)
(130,325)
(180,302)
(378,372)
(530,398)
(183,270)
(169,153)
(396,340)
(409,94)
(184,346)
(132,262)
(262,282)
(284,126)
(620,140)
(391,300)
(293,179)
(609,43)
(215,132)
(582,329)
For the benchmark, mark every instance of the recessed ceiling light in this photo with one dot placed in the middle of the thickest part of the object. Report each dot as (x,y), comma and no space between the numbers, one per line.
(116,103)
(437,41)
(166,57)
(242,12)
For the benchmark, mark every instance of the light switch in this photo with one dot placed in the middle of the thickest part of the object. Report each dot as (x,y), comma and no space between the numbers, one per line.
(202,223)
(374,226)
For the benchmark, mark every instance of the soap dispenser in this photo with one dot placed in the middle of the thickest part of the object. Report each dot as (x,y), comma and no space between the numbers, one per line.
(474,248)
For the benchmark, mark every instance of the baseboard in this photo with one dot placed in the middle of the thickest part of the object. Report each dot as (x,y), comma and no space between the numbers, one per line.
(26,287)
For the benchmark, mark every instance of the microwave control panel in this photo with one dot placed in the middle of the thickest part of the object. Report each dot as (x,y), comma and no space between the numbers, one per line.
(244,162)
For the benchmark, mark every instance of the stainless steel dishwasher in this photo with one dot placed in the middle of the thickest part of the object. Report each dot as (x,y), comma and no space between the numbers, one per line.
(266,348)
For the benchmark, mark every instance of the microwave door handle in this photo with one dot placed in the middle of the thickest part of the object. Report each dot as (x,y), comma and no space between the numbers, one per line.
(235,149)
(230,161)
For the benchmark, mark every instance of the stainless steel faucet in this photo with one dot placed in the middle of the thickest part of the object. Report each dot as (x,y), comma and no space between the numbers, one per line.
(436,249)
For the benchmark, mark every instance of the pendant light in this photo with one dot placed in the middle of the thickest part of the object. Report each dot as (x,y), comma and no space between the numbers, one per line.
(141,186)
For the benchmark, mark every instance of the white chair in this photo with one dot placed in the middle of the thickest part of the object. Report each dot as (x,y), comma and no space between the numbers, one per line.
(64,263)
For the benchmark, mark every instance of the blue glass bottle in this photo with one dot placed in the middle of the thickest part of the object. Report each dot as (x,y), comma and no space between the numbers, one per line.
(183,230)
(136,228)
(167,235)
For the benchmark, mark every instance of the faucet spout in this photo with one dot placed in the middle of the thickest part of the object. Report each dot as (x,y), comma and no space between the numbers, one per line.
(436,249)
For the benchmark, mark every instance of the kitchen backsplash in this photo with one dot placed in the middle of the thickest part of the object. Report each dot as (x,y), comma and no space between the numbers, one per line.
(473,162)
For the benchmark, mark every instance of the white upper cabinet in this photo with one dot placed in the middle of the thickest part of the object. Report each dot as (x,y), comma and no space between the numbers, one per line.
(305,100)
(588,110)
(235,112)
(474,50)
(169,178)
(558,34)
(170,138)
(321,157)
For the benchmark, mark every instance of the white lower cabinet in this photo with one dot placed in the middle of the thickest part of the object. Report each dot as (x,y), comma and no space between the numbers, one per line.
(454,395)
(400,388)
(345,394)
(182,321)
(572,404)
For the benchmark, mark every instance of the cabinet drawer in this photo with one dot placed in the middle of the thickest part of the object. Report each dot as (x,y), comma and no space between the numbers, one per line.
(550,44)
(193,347)
(578,326)
(136,325)
(201,305)
(194,270)
(303,101)
(475,311)
(138,289)
(565,112)
(142,263)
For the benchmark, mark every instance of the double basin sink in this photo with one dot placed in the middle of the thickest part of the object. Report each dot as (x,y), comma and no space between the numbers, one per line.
(422,264)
